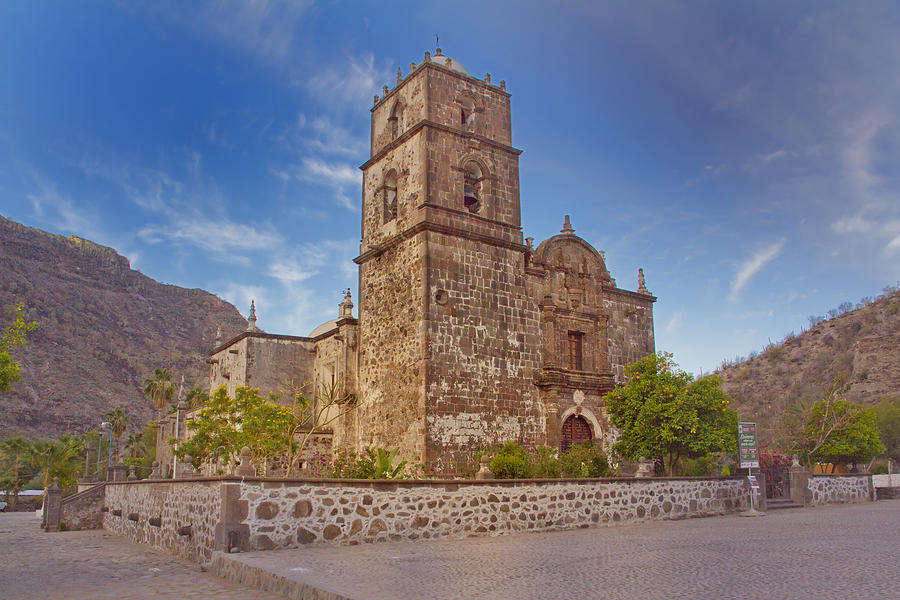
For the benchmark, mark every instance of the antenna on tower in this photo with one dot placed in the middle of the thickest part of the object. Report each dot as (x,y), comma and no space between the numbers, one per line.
(437,41)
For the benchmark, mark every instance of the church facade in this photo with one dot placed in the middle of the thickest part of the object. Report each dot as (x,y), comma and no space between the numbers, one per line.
(468,335)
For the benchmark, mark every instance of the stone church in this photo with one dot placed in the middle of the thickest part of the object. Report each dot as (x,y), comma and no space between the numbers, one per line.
(468,335)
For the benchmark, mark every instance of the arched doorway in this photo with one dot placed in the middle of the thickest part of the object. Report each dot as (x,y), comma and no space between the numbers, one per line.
(575,430)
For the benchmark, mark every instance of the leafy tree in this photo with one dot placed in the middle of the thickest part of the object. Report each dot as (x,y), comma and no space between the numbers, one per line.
(227,424)
(196,397)
(832,429)
(16,469)
(887,417)
(159,389)
(663,413)
(511,462)
(13,336)
(118,422)
(57,458)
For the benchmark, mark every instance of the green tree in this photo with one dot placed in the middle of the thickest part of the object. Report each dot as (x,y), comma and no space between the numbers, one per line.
(329,404)
(118,422)
(227,424)
(159,389)
(16,468)
(663,413)
(196,397)
(831,429)
(887,417)
(13,336)
(57,458)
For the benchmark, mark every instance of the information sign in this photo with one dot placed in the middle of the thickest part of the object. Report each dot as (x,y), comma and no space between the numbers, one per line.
(747,447)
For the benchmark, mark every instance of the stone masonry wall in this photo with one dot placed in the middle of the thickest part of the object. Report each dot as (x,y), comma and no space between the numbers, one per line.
(484,352)
(391,409)
(83,510)
(130,506)
(295,513)
(840,489)
(630,329)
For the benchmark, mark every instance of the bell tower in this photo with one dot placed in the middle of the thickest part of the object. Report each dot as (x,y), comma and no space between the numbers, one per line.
(450,342)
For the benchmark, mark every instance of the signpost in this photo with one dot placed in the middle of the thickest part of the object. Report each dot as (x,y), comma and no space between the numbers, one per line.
(749,452)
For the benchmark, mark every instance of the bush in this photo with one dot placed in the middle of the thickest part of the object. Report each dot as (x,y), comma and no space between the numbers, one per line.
(696,467)
(545,462)
(584,460)
(511,462)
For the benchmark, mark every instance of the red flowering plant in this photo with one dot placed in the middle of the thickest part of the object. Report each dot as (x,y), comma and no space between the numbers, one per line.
(770,459)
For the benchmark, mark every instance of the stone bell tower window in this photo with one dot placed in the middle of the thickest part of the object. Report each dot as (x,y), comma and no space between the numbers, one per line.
(395,121)
(472,185)
(467,113)
(390,196)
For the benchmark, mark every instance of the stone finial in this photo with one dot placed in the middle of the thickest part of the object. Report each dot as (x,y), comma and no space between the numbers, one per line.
(251,321)
(219,339)
(503,84)
(427,56)
(246,469)
(449,61)
(487,77)
(384,90)
(346,306)
(131,474)
(412,67)
(437,52)
(376,99)
(55,485)
(529,243)
(642,284)
(485,471)
(399,75)
(567,227)
(155,472)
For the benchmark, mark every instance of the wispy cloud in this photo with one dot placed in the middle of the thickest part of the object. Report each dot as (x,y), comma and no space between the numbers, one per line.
(57,209)
(754,265)
(674,322)
(349,84)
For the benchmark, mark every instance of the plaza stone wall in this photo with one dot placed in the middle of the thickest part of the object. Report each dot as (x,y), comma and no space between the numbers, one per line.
(194,518)
(840,489)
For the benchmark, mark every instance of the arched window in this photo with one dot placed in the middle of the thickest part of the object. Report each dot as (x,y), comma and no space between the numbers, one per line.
(467,113)
(390,196)
(395,121)
(473,179)
(575,430)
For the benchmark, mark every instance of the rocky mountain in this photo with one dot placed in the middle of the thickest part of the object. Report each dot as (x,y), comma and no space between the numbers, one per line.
(863,343)
(102,329)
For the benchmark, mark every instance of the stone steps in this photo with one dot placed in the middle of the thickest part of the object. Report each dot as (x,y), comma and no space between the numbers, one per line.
(778,503)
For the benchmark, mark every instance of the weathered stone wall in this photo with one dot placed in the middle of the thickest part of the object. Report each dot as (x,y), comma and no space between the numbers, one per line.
(391,409)
(840,489)
(407,102)
(295,513)
(492,115)
(261,360)
(630,328)
(83,510)
(483,349)
(151,512)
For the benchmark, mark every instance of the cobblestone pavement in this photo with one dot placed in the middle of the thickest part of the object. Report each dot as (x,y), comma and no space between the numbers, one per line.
(96,564)
(826,552)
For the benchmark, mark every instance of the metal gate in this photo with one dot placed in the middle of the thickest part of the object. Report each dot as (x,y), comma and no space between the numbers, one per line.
(778,482)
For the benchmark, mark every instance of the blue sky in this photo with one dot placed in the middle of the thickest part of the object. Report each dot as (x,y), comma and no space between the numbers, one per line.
(745,154)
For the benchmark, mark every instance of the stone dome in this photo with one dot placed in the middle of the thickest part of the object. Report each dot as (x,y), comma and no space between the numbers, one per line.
(323,328)
(453,65)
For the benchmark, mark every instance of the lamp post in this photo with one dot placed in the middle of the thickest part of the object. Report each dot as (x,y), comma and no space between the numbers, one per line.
(105,428)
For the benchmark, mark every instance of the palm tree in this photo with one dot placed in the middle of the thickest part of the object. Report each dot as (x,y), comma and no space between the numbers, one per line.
(57,458)
(118,423)
(159,389)
(15,457)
